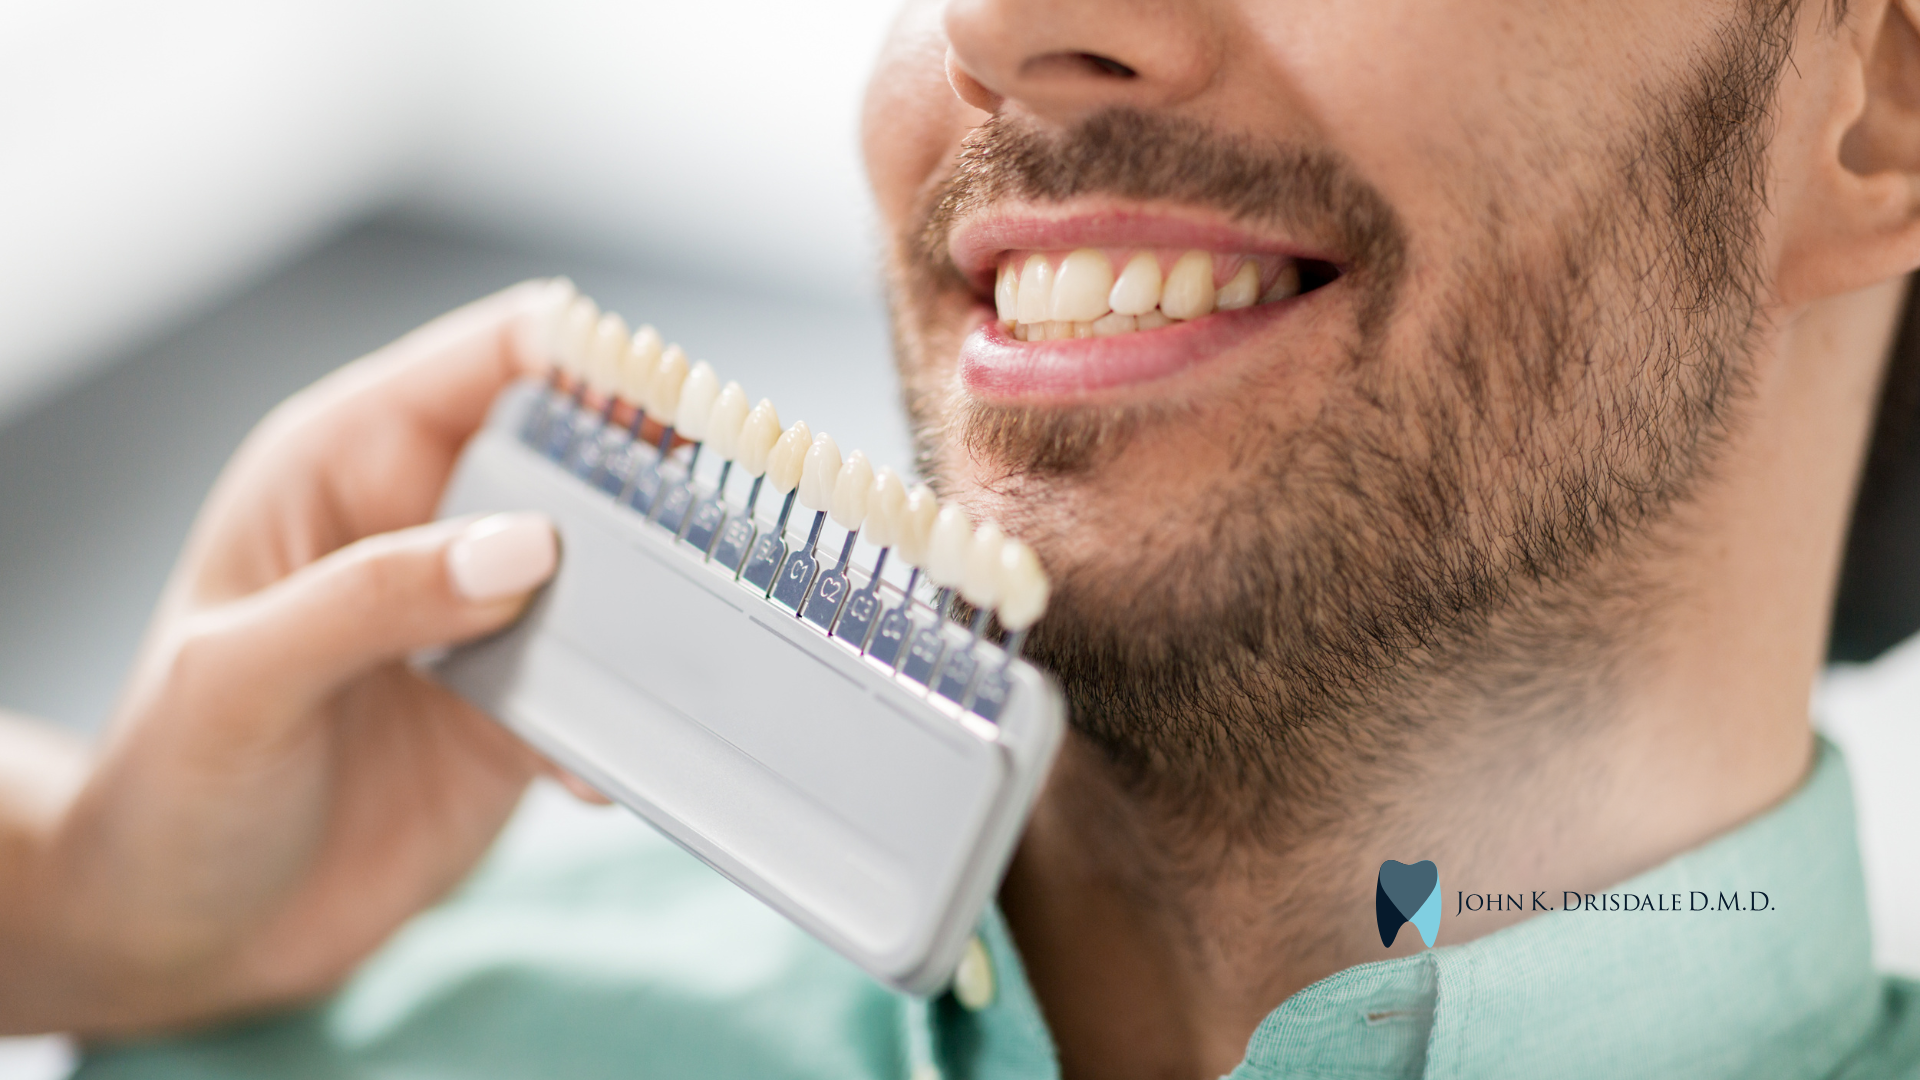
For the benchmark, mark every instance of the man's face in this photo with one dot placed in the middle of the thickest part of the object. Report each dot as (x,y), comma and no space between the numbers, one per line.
(1529,252)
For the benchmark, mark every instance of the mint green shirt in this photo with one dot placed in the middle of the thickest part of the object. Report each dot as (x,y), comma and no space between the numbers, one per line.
(604,951)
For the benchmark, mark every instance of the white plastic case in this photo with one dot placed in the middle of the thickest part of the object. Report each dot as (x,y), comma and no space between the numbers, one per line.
(876,815)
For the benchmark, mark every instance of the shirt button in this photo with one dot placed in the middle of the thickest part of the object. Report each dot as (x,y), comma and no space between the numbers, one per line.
(973,979)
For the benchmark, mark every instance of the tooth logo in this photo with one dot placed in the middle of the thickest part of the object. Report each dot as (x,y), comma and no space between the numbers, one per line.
(1408,894)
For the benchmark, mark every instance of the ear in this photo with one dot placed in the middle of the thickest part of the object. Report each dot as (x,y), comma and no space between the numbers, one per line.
(1855,219)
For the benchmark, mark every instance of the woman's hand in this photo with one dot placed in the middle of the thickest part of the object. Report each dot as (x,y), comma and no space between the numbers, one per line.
(278,790)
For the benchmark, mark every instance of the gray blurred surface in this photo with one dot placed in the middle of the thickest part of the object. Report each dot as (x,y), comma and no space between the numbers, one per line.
(99,486)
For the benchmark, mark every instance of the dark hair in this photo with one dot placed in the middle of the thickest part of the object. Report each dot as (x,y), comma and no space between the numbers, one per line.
(1879,601)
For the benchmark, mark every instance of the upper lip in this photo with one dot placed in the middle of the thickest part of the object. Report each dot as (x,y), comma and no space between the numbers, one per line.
(977,241)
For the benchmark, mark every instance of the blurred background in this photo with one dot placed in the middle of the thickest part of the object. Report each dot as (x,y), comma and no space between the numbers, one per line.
(207,204)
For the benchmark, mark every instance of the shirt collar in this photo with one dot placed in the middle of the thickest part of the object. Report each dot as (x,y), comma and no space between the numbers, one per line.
(1785,991)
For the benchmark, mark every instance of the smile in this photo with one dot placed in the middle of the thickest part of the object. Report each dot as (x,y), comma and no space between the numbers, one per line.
(1098,293)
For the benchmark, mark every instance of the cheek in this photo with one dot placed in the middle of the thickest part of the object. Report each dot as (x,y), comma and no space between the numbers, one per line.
(911,124)
(1451,108)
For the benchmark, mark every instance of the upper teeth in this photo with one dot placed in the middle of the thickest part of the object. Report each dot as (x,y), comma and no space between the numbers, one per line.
(1046,296)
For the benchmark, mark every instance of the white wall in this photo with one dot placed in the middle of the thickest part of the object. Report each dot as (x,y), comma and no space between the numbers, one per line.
(154,156)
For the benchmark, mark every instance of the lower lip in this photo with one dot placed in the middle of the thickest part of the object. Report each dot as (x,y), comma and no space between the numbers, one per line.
(997,366)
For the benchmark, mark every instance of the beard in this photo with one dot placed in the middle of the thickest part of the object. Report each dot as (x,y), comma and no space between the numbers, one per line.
(1459,533)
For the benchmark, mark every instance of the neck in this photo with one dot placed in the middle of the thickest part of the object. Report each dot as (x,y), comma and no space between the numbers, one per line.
(1156,944)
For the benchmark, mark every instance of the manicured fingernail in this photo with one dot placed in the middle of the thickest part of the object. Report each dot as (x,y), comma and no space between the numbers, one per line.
(502,555)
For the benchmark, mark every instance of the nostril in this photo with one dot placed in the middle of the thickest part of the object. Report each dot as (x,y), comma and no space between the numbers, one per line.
(1076,64)
(1109,66)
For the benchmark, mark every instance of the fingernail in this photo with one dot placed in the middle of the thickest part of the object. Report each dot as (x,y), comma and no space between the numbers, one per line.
(502,555)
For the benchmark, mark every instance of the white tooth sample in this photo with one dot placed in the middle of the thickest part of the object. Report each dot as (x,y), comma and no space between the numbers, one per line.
(851,491)
(663,392)
(539,332)
(724,421)
(1080,287)
(695,406)
(1059,331)
(576,335)
(981,583)
(1152,320)
(1138,289)
(1023,586)
(1035,289)
(1112,323)
(886,509)
(1022,332)
(818,470)
(635,376)
(1006,292)
(605,353)
(916,524)
(1285,284)
(947,547)
(1188,293)
(758,435)
(788,457)
(647,346)
(1241,290)
(1083,329)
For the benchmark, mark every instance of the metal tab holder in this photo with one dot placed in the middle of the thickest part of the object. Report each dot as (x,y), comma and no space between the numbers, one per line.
(888,645)
(703,526)
(677,501)
(858,615)
(876,815)
(737,539)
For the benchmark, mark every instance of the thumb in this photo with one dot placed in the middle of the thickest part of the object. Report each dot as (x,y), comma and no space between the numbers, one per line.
(382,598)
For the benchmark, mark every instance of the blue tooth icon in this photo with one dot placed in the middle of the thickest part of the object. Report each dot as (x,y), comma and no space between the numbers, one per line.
(1408,894)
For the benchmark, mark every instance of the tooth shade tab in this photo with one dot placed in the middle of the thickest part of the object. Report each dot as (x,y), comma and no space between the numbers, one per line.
(1137,290)
(539,329)
(576,335)
(759,433)
(916,525)
(818,471)
(1080,287)
(1241,290)
(852,491)
(646,350)
(635,374)
(948,546)
(606,353)
(788,457)
(886,509)
(1035,299)
(1023,587)
(695,407)
(725,421)
(980,585)
(663,392)
(1006,293)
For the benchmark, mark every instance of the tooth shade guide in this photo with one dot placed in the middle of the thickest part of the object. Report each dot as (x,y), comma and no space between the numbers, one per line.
(688,494)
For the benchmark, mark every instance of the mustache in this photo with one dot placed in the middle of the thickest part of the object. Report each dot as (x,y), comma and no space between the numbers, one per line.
(1134,154)
(1307,193)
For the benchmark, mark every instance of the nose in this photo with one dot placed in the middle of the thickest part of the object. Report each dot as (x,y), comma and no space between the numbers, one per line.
(1063,59)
